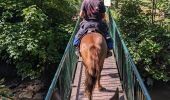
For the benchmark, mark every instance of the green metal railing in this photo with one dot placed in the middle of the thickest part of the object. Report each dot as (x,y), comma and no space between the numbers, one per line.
(64,75)
(130,77)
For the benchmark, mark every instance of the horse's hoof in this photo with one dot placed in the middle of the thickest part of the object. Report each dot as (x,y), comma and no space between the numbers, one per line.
(86,94)
(101,88)
(109,54)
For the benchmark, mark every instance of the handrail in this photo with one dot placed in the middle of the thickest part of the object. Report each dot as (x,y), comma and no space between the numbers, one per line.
(61,84)
(132,82)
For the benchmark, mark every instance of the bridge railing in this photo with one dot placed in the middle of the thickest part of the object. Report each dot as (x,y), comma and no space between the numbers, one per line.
(130,77)
(61,83)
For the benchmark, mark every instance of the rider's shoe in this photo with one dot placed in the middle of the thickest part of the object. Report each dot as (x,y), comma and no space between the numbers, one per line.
(77,51)
(109,53)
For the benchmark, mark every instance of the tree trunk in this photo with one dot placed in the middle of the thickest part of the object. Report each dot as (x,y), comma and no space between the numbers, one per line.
(116,3)
(153,10)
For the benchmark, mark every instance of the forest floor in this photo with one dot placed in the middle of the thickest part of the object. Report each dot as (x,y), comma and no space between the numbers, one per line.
(12,87)
(23,90)
(161,91)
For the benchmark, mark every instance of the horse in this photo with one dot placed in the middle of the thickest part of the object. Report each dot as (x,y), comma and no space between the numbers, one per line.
(93,50)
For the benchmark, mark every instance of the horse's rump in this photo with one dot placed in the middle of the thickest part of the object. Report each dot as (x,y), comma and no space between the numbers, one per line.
(93,45)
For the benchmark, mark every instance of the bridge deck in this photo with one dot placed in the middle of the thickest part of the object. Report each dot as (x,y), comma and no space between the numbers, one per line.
(109,79)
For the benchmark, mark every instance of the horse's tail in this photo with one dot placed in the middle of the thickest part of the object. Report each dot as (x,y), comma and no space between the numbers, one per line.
(93,69)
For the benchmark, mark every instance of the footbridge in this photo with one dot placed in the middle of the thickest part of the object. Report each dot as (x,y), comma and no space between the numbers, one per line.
(119,72)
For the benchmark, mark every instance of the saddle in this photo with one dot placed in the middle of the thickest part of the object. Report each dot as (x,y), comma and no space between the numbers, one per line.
(93,29)
(90,26)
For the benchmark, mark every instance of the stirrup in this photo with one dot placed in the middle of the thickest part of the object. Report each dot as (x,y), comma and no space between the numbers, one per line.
(77,52)
(109,53)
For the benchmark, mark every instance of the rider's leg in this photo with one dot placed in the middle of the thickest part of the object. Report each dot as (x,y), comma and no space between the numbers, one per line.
(76,42)
(77,37)
(104,28)
(109,41)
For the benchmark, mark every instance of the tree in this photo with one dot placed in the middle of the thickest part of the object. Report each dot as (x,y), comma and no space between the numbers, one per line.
(34,33)
(147,42)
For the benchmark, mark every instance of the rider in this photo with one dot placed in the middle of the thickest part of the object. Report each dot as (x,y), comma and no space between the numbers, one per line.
(93,14)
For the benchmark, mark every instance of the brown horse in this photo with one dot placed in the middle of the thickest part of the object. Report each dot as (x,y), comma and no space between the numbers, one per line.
(93,49)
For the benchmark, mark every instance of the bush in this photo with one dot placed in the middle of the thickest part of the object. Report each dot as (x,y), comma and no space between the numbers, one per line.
(31,39)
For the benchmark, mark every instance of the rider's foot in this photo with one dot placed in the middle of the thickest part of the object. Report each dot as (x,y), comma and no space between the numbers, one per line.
(77,52)
(109,53)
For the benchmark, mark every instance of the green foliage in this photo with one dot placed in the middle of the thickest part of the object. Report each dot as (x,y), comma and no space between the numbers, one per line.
(163,5)
(33,35)
(131,22)
(130,9)
(34,16)
(147,43)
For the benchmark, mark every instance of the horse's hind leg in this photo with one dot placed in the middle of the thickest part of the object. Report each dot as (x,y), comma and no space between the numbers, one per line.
(89,96)
(99,86)
(88,91)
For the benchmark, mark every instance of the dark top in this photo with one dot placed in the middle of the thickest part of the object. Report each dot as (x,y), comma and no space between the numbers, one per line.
(93,9)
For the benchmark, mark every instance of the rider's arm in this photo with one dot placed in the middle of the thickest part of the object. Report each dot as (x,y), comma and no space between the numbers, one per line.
(81,14)
(102,10)
(104,17)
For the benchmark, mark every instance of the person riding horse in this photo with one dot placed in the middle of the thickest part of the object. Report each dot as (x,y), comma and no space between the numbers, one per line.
(93,14)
